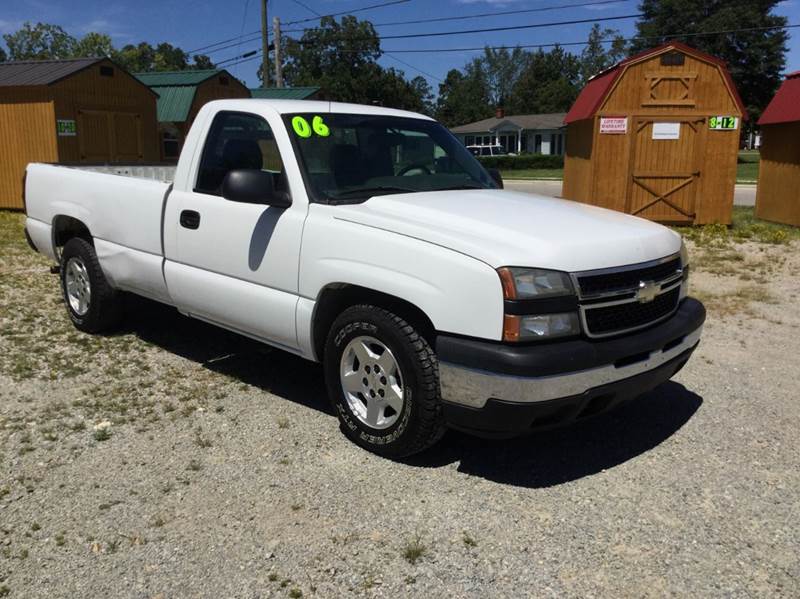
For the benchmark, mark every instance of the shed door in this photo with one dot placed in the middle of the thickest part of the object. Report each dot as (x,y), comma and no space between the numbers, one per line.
(127,137)
(105,136)
(94,136)
(665,168)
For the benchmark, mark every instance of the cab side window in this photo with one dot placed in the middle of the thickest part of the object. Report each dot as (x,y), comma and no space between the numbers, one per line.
(235,141)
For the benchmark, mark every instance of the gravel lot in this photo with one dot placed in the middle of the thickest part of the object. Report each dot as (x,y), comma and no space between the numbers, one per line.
(176,460)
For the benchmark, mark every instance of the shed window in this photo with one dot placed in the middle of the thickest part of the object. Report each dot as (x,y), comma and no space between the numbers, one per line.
(171,145)
(672,59)
(106,71)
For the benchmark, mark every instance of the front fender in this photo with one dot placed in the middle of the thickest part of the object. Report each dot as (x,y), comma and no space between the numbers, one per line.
(458,293)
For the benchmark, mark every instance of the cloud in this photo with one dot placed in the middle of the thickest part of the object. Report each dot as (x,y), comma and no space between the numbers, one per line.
(100,25)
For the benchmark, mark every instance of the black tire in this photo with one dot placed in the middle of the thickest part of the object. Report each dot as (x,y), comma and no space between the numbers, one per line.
(105,307)
(419,424)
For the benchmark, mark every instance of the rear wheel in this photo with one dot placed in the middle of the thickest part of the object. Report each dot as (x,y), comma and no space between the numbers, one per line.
(92,304)
(382,379)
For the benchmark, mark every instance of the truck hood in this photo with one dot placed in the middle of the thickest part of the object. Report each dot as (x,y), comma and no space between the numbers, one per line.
(508,228)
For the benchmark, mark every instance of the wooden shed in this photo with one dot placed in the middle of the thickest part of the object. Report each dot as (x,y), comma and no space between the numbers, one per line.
(778,195)
(80,110)
(657,136)
(181,94)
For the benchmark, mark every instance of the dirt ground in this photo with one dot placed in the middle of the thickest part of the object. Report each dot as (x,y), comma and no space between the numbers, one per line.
(176,460)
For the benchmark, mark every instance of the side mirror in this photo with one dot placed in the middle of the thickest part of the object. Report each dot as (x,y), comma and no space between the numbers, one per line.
(253,186)
(495,174)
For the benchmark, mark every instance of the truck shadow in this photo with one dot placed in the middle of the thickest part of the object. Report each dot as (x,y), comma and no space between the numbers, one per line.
(558,456)
(543,459)
(216,349)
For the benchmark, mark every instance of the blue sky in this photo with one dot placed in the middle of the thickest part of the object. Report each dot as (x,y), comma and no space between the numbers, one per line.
(195,23)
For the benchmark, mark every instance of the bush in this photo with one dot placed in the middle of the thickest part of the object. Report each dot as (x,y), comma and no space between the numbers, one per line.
(525,161)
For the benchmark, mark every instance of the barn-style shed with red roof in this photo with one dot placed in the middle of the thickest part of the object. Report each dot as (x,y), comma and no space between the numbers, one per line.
(657,136)
(778,195)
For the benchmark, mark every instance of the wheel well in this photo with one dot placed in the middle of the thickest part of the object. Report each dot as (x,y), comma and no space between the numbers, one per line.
(67,227)
(335,299)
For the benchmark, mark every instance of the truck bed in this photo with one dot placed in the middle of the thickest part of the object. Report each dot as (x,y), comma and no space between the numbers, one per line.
(155,172)
(123,210)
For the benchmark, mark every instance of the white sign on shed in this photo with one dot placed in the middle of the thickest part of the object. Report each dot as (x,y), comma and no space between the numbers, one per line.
(614,124)
(666,130)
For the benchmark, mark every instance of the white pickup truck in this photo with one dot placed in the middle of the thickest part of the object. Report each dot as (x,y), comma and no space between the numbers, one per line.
(371,240)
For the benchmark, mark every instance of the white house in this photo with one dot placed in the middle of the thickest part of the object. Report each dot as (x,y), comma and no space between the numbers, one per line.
(535,133)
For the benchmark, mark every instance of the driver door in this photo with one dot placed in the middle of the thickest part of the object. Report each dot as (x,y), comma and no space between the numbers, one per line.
(236,264)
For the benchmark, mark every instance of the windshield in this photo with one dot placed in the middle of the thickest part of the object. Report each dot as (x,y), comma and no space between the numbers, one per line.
(351,157)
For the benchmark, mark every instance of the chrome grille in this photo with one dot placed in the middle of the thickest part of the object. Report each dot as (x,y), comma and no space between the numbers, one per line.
(618,300)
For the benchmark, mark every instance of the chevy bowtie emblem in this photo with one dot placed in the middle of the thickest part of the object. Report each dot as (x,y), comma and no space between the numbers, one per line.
(647,292)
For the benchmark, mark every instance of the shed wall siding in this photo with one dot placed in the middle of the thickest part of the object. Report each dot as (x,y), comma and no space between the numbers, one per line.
(27,134)
(709,91)
(90,97)
(778,195)
(578,161)
(665,180)
(212,89)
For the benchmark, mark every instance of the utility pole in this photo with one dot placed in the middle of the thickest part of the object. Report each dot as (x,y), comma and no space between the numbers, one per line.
(276,41)
(264,46)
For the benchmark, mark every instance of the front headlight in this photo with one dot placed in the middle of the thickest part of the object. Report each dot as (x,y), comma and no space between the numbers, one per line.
(539,304)
(533,283)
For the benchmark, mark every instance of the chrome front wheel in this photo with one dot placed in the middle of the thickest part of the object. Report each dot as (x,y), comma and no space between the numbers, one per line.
(78,287)
(372,382)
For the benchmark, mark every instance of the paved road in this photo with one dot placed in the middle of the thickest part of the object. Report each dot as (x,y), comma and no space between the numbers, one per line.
(744,195)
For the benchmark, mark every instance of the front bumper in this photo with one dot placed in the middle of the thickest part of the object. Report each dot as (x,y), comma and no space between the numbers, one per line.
(499,389)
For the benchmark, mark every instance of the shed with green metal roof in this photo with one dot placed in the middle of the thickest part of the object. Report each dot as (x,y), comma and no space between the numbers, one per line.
(181,94)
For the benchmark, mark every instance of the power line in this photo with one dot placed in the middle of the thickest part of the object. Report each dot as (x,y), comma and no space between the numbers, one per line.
(307,7)
(348,12)
(241,29)
(604,41)
(486,29)
(582,43)
(493,14)
(421,21)
(411,66)
(470,31)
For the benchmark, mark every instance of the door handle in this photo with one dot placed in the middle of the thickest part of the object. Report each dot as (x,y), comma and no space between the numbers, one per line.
(190,219)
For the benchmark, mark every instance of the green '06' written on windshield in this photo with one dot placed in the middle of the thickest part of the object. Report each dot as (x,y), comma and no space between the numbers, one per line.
(303,129)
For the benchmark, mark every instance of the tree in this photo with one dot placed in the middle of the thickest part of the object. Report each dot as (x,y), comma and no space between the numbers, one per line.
(501,69)
(421,89)
(342,59)
(548,83)
(338,57)
(464,97)
(755,59)
(164,57)
(94,45)
(40,41)
(595,58)
(3,56)
(201,61)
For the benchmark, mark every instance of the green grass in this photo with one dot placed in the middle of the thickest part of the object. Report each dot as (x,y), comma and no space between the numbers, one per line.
(745,227)
(746,170)
(747,167)
(534,173)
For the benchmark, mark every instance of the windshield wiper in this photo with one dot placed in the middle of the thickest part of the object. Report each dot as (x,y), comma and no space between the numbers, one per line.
(369,190)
